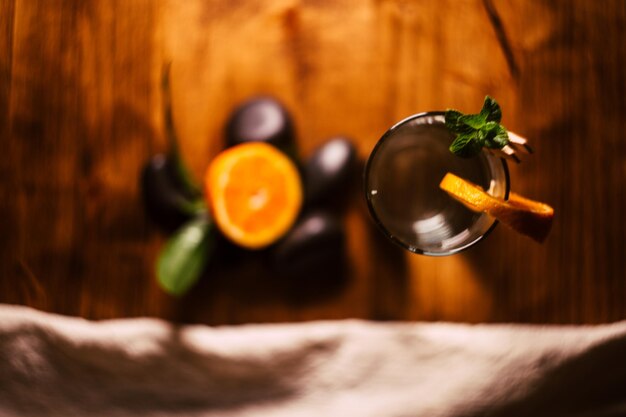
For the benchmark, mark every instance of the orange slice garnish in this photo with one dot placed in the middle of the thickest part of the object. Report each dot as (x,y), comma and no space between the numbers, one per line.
(526,216)
(254,194)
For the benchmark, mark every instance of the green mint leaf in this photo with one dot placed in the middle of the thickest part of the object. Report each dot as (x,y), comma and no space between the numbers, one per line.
(493,135)
(181,173)
(501,139)
(491,110)
(185,255)
(487,132)
(466,145)
(452,121)
(475,121)
(452,117)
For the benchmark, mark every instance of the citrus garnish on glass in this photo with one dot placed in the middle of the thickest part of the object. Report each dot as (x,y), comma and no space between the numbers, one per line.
(528,217)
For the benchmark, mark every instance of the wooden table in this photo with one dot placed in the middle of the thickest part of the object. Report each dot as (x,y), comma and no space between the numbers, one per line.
(80,112)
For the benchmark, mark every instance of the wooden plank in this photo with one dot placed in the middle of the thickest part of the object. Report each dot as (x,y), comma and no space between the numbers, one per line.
(8,187)
(118,76)
(39,252)
(81,119)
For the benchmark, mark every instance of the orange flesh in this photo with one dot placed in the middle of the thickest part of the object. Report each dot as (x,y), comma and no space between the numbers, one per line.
(255,199)
(254,192)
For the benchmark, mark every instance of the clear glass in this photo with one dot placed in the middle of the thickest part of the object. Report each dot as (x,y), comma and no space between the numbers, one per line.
(402,179)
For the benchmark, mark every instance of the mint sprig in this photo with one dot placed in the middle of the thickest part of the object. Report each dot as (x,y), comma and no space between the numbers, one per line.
(475,131)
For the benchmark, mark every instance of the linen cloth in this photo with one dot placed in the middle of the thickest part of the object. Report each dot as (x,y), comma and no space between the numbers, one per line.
(52,365)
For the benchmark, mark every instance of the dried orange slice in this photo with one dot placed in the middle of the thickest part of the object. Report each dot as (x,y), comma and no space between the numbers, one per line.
(254,193)
(528,217)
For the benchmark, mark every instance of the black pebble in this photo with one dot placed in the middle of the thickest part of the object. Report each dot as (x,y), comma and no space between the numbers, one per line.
(261,119)
(312,257)
(329,172)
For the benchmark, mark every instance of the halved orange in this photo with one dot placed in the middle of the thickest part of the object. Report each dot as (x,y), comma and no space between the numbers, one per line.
(526,216)
(254,193)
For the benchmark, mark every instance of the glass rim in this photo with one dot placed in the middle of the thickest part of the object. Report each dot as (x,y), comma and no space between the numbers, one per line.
(380,225)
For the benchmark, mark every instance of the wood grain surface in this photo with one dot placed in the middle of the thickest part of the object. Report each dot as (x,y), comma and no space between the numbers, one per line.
(80,112)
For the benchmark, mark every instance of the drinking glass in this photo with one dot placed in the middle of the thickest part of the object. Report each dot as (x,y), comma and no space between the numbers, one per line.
(402,177)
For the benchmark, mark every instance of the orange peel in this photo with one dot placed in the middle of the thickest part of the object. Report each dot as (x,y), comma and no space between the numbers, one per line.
(528,217)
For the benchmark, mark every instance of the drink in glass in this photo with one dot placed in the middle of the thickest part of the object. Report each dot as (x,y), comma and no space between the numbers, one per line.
(402,179)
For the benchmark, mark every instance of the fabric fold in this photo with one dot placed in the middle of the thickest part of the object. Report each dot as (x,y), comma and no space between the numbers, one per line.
(53,365)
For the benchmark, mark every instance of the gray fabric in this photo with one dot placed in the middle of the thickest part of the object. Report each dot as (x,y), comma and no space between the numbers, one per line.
(59,366)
